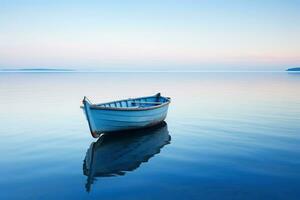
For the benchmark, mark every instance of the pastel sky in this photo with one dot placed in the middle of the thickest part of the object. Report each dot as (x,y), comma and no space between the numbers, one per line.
(150,34)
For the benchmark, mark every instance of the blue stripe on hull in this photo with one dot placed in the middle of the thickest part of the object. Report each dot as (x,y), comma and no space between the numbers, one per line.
(131,116)
(124,113)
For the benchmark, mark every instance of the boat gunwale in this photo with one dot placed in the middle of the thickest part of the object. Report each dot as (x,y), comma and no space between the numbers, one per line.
(99,107)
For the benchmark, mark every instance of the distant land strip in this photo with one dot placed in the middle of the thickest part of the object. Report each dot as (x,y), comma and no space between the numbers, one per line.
(295,69)
(37,70)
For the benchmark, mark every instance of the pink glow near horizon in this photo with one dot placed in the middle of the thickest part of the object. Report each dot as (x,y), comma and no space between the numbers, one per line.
(105,35)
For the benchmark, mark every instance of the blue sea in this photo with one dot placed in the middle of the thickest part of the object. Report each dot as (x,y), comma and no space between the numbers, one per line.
(228,135)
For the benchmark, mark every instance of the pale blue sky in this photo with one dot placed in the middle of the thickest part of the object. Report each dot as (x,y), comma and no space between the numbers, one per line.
(165,34)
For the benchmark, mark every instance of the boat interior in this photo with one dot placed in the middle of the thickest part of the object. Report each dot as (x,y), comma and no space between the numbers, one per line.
(136,103)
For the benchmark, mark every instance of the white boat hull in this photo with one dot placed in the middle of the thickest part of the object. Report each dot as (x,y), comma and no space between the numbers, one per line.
(107,120)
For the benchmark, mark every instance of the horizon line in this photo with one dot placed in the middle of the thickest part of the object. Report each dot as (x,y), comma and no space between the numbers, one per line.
(133,71)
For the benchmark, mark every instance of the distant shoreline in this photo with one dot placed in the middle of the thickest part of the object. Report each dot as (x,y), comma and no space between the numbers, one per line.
(36,69)
(295,69)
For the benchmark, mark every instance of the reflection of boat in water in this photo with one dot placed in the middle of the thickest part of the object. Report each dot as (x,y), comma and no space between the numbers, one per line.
(113,155)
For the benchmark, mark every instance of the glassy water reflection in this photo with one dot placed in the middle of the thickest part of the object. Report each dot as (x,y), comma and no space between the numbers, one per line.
(234,136)
(114,155)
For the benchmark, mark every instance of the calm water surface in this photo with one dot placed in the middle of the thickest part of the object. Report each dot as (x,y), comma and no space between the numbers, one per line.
(227,136)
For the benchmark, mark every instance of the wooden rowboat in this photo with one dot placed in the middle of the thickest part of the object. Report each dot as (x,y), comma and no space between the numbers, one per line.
(125,114)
